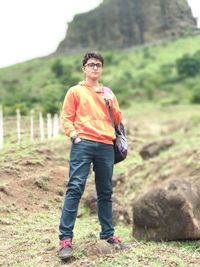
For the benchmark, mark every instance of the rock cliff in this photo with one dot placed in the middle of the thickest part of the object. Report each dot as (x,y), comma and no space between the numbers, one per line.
(122,24)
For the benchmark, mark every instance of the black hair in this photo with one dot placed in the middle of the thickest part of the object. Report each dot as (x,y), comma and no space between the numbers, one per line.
(92,55)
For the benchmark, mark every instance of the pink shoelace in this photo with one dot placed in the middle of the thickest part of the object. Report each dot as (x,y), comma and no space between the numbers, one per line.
(114,238)
(65,243)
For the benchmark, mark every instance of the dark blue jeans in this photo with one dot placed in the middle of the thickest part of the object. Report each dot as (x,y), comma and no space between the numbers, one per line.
(82,155)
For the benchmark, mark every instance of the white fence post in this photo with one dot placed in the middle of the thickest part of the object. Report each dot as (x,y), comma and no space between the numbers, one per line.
(55,125)
(1,127)
(32,126)
(41,126)
(18,126)
(49,126)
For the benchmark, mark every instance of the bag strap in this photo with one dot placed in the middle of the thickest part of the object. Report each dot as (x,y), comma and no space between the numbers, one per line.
(108,106)
(110,114)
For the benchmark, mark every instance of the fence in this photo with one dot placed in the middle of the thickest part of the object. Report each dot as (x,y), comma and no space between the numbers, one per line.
(22,129)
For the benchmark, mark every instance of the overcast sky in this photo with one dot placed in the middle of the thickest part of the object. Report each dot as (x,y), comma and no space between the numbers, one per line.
(34,28)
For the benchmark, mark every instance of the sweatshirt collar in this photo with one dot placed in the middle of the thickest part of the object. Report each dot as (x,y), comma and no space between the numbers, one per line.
(98,88)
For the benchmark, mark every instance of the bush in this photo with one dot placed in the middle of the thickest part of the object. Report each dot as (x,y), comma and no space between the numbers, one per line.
(195,99)
(108,58)
(166,69)
(57,68)
(170,101)
(11,110)
(188,66)
(51,98)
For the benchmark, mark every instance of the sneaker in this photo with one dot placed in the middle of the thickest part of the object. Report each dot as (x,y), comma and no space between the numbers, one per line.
(66,250)
(117,242)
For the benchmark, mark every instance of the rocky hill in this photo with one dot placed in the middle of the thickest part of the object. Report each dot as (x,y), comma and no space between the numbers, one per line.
(122,24)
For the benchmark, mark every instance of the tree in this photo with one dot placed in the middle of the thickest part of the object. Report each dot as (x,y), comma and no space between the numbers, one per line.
(188,66)
(57,68)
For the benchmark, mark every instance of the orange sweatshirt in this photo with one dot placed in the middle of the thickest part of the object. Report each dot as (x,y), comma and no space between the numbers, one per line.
(85,114)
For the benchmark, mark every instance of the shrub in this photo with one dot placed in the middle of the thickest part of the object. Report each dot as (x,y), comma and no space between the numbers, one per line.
(57,68)
(195,99)
(188,66)
(51,98)
(170,101)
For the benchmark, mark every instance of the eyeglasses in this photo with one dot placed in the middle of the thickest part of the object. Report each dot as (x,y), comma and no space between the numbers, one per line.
(92,65)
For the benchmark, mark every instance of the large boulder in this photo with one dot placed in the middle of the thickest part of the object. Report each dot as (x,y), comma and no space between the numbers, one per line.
(154,148)
(170,211)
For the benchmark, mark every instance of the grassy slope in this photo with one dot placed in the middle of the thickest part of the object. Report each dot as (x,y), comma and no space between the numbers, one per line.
(137,69)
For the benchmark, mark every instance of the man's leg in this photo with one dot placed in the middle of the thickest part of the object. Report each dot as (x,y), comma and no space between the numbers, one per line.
(103,164)
(80,161)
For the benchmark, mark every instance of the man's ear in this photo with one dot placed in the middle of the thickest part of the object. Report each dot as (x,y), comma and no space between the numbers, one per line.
(83,68)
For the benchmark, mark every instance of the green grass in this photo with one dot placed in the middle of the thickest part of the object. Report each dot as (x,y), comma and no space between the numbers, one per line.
(36,235)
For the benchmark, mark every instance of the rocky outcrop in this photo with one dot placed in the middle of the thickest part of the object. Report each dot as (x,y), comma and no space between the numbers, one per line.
(122,24)
(169,211)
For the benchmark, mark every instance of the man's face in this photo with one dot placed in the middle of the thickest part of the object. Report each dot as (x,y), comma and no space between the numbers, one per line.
(93,69)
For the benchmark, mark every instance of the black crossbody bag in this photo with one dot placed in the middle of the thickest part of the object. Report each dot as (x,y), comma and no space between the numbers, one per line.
(120,143)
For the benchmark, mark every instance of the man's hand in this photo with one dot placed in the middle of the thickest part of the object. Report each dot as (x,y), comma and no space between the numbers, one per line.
(77,140)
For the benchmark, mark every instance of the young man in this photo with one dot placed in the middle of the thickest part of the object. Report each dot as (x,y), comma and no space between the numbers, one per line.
(86,121)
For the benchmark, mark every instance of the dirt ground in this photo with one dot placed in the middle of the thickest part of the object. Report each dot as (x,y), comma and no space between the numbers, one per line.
(33,182)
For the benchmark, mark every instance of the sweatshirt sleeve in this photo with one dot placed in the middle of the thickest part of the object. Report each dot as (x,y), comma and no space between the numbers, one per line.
(117,115)
(68,113)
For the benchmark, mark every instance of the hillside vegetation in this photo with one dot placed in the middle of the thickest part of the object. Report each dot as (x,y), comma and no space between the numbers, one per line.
(166,72)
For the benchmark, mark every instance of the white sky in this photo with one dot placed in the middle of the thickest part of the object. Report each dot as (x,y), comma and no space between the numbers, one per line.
(34,28)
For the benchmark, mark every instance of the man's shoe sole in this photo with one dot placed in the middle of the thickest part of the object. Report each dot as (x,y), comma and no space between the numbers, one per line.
(65,257)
